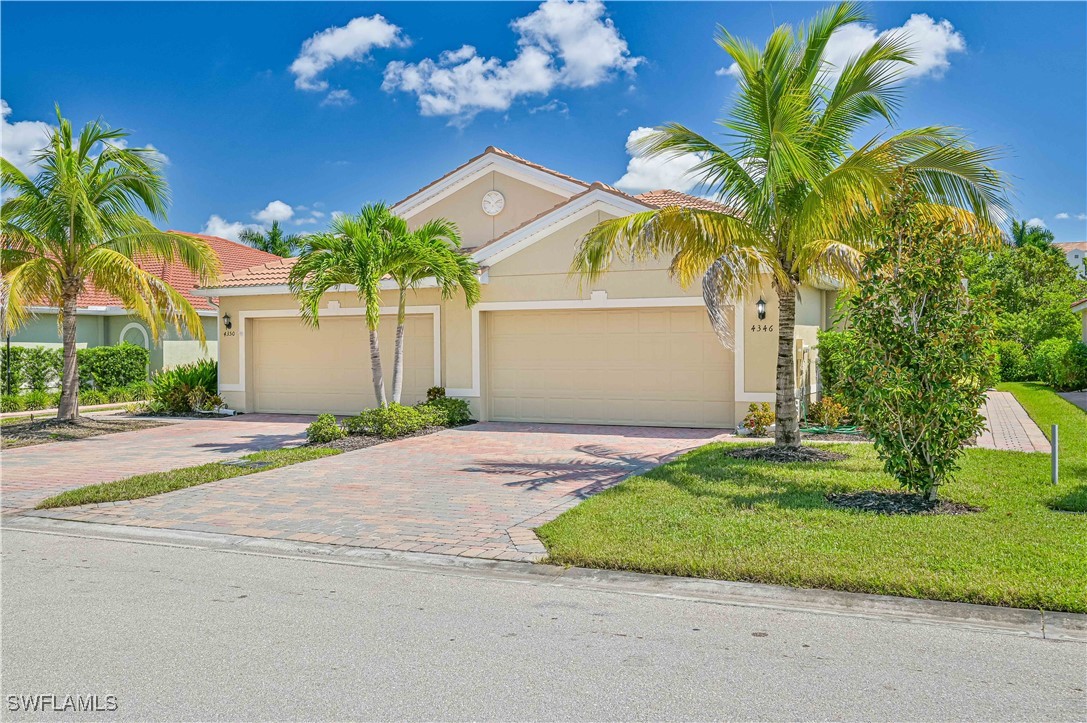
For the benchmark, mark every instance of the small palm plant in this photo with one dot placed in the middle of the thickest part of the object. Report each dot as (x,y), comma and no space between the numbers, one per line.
(801,199)
(273,241)
(79,222)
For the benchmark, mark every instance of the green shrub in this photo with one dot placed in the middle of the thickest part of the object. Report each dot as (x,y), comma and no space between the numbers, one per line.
(119,394)
(435,393)
(140,391)
(834,349)
(107,367)
(325,429)
(1062,364)
(1013,361)
(54,399)
(11,403)
(90,397)
(829,412)
(42,367)
(455,412)
(38,399)
(395,420)
(181,389)
(16,361)
(759,418)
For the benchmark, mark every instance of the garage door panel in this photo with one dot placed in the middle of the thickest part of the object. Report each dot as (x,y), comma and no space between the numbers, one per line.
(297,369)
(620,366)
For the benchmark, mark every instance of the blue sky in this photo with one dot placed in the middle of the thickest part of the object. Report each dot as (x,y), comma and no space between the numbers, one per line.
(252,103)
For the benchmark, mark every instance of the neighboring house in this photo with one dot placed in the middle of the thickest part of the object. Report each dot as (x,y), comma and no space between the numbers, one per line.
(1081,308)
(103,321)
(541,346)
(1075,252)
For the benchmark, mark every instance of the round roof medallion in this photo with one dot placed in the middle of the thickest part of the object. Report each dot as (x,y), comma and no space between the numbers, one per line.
(493,203)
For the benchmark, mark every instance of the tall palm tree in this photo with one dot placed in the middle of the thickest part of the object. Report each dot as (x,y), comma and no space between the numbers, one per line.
(79,221)
(273,241)
(432,251)
(1023,233)
(800,196)
(359,250)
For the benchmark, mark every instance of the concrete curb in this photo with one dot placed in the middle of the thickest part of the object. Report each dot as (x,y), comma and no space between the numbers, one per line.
(1008,621)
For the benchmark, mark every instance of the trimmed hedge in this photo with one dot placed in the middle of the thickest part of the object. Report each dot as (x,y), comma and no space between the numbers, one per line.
(39,368)
(113,366)
(1062,364)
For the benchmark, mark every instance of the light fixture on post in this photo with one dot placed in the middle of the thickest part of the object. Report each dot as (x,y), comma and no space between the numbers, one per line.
(760,307)
(226,320)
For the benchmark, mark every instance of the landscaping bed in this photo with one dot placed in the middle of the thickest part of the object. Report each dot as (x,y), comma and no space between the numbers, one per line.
(711,515)
(361,441)
(23,432)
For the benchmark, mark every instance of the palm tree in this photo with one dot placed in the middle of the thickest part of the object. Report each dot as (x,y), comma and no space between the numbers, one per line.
(273,241)
(1023,233)
(79,221)
(432,251)
(359,250)
(800,196)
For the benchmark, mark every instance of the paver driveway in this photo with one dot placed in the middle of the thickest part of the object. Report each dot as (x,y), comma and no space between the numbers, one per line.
(476,491)
(30,474)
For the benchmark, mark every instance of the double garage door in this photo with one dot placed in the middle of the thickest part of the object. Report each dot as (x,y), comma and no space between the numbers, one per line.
(652,366)
(297,369)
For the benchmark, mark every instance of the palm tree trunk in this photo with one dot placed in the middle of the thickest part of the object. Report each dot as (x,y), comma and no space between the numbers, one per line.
(69,380)
(375,365)
(787,419)
(398,355)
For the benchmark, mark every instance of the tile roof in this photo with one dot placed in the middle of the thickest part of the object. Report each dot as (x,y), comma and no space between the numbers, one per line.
(233,257)
(664,197)
(273,273)
(1071,245)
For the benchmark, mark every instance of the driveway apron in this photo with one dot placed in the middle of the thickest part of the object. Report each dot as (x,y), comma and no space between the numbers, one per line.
(476,491)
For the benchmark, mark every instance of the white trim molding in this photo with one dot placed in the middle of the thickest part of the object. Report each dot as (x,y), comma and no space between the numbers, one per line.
(598,300)
(109,310)
(135,325)
(283,289)
(243,316)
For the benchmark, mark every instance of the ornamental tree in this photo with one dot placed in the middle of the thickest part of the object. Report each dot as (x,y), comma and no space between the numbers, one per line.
(920,369)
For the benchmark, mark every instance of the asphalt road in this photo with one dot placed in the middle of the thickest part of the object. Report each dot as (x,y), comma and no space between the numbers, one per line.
(178,633)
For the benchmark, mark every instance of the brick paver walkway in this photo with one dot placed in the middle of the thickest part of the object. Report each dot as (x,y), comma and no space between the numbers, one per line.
(30,474)
(477,491)
(1009,427)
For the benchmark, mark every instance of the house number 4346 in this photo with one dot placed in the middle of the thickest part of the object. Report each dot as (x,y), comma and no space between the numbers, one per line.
(762,327)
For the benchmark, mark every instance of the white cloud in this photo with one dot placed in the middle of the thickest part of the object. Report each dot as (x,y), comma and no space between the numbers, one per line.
(1036,222)
(219,226)
(650,174)
(274,211)
(339,98)
(560,44)
(1064,216)
(21,139)
(353,41)
(931,44)
(732,71)
(553,105)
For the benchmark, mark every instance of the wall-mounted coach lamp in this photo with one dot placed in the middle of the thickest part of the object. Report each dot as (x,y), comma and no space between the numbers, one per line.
(226,320)
(760,307)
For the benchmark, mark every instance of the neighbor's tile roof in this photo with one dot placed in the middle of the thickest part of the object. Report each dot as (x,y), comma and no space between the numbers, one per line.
(233,257)
(1071,245)
(664,197)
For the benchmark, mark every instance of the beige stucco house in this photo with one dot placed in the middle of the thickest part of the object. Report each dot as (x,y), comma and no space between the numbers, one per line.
(542,345)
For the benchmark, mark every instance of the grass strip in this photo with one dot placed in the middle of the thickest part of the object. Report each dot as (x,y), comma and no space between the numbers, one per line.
(155,483)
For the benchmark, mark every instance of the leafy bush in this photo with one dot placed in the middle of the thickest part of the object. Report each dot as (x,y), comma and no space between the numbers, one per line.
(759,418)
(54,400)
(186,387)
(325,429)
(1062,364)
(435,393)
(16,362)
(834,349)
(89,397)
(107,367)
(140,391)
(118,394)
(918,374)
(42,367)
(829,412)
(455,412)
(1013,361)
(11,403)
(39,399)
(395,420)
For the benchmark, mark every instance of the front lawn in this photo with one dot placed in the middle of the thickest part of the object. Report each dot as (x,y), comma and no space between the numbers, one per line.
(155,483)
(710,515)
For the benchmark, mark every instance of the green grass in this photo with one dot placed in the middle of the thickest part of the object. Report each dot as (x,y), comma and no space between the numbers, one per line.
(146,485)
(709,515)
(1046,408)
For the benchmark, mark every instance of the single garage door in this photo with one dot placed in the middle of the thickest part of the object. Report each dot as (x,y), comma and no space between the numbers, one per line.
(618,366)
(298,369)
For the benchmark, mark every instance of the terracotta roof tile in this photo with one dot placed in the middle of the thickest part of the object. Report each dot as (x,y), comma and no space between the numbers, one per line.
(233,257)
(270,274)
(664,197)
(1071,245)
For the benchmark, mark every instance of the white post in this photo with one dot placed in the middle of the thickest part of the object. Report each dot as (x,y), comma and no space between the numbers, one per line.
(1054,435)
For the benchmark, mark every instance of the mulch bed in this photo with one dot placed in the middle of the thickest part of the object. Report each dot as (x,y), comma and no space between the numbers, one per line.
(771,453)
(42,431)
(890,502)
(358,441)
